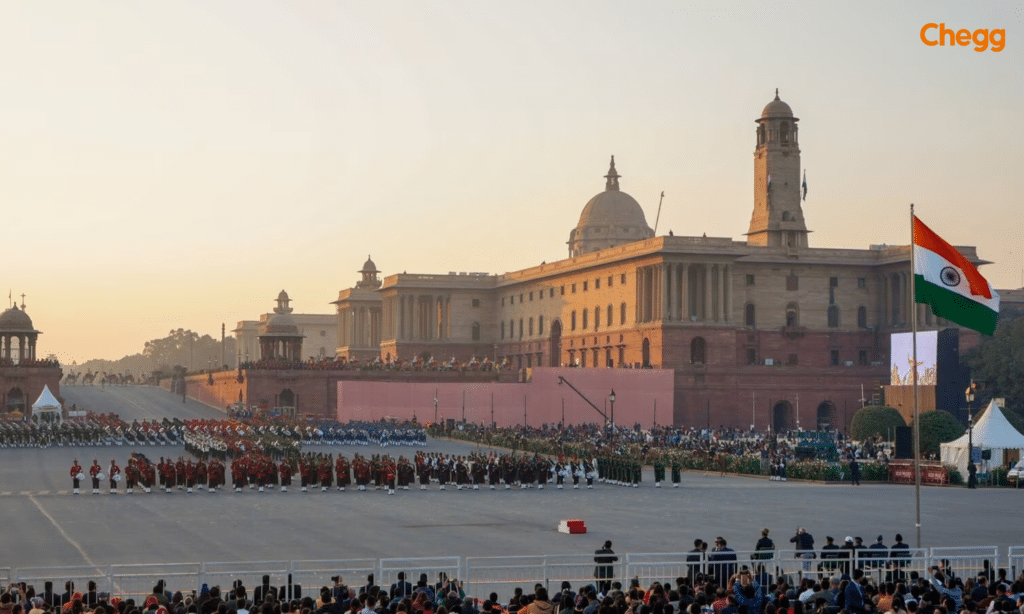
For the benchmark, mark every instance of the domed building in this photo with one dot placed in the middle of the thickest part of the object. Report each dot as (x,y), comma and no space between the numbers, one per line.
(22,375)
(16,328)
(280,338)
(359,316)
(609,219)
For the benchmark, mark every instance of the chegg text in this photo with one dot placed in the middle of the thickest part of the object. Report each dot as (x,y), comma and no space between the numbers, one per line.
(937,34)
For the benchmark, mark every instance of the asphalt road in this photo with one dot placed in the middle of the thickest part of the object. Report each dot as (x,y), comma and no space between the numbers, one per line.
(46,526)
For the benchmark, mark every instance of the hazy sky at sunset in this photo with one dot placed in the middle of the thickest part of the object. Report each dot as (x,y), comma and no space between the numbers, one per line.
(176,164)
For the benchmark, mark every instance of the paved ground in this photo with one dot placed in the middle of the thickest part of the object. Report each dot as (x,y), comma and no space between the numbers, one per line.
(46,526)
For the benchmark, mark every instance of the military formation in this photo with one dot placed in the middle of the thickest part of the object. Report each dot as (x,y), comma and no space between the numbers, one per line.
(93,430)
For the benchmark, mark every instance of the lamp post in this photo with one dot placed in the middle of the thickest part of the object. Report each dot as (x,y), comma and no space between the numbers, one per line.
(969,395)
(435,407)
(611,399)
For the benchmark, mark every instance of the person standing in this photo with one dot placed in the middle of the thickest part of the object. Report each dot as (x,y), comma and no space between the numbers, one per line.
(115,476)
(804,547)
(605,571)
(854,472)
(972,475)
(95,471)
(76,476)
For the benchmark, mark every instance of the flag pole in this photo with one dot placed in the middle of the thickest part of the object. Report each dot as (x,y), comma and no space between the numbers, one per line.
(917,417)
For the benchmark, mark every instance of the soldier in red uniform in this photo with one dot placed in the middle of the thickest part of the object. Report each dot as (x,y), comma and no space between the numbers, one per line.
(76,476)
(389,472)
(95,472)
(201,474)
(304,473)
(215,474)
(131,475)
(286,475)
(114,475)
(168,473)
(325,474)
(341,468)
(148,476)
(238,473)
(179,472)
(190,475)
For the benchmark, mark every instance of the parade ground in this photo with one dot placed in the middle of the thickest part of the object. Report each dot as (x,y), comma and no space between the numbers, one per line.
(45,525)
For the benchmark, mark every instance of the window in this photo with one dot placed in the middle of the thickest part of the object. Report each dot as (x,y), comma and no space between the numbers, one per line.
(834,358)
(520,328)
(476,331)
(749,315)
(751,356)
(862,317)
(833,282)
(503,329)
(622,313)
(503,301)
(540,295)
(792,283)
(597,283)
(585,312)
(476,302)
(833,316)
(862,282)
(697,350)
(520,298)
(609,315)
(531,296)
(597,318)
(531,326)
(585,286)
(572,321)
(561,291)
(511,329)
(750,280)
(792,361)
(540,325)
(610,278)
(323,333)
(574,288)
(862,358)
(792,315)
(622,278)
(551,292)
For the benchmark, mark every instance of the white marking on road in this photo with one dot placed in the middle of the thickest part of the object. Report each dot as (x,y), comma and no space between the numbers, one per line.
(60,529)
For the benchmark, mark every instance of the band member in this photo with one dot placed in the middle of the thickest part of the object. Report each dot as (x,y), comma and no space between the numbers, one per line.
(95,472)
(577,472)
(286,475)
(168,474)
(304,473)
(493,472)
(115,476)
(201,474)
(215,474)
(423,470)
(326,476)
(190,475)
(131,476)
(76,476)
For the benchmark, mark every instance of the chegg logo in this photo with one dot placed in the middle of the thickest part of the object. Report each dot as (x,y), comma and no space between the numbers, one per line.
(937,34)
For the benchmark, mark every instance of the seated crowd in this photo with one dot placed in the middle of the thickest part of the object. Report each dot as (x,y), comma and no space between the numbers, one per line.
(743,592)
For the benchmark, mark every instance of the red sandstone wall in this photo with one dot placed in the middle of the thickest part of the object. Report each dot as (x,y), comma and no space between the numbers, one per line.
(636,392)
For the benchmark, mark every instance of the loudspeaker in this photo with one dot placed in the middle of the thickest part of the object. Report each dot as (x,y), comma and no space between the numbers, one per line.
(986,455)
(904,442)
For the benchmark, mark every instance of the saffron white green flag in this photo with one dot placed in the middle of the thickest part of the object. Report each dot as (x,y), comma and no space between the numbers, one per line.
(947,281)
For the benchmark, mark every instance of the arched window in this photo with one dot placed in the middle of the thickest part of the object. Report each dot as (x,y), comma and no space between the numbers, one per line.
(572,321)
(792,315)
(697,350)
(622,313)
(833,316)
(749,315)
(784,132)
(597,318)
(540,325)
(476,331)
(760,134)
(862,317)
(585,311)
(609,315)
(531,326)
(503,329)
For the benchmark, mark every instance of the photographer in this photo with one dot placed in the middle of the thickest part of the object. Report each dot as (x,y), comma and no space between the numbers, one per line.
(747,591)
(804,546)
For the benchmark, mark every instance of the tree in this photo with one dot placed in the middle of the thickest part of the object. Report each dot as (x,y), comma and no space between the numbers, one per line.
(999,360)
(938,427)
(872,420)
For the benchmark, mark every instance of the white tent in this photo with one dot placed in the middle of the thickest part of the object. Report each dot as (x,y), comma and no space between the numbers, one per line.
(992,432)
(46,403)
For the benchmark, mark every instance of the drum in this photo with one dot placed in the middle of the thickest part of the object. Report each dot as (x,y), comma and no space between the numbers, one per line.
(101,476)
(117,477)
(80,476)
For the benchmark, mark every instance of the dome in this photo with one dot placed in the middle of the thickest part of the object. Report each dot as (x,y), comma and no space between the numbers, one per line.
(611,218)
(280,325)
(777,108)
(15,320)
(283,296)
(369,266)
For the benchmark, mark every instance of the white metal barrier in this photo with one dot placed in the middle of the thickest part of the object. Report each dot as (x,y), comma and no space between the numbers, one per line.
(967,562)
(135,581)
(224,574)
(484,575)
(451,566)
(1015,559)
(80,575)
(576,569)
(311,575)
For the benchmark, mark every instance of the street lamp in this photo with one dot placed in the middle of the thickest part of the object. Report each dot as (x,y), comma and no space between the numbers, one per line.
(969,395)
(435,408)
(611,399)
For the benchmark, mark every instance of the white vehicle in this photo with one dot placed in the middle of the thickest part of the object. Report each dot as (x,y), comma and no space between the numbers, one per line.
(1016,474)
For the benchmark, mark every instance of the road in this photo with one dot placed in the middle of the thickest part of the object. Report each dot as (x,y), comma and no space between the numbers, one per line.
(49,527)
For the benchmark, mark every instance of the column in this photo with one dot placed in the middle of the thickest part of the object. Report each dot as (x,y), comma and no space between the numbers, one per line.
(673,289)
(448,317)
(684,293)
(884,286)
(720,312)
(707,292)
(666,296)
(728,292)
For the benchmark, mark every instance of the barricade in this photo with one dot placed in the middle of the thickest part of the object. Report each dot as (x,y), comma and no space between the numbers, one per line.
(413,567)
(5,576)
(135,581)
(80,575)
(311,575)
(250,573)
(1015,559)
(967,562)
(577,569)
(652,567)
(501,575)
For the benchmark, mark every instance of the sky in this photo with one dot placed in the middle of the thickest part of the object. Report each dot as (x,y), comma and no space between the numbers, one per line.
(177,164)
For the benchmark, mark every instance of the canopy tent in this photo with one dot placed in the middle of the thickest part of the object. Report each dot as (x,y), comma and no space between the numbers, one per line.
(992,432)
(46,403)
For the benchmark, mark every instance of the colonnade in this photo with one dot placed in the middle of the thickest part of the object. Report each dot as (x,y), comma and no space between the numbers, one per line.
(26,345)
(682,291)
(897,303)
(360,327)
(418,317)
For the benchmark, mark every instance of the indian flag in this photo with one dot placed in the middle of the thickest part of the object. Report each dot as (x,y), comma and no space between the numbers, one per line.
(947,281)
